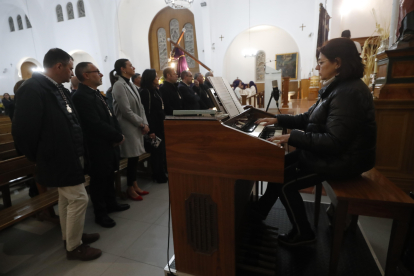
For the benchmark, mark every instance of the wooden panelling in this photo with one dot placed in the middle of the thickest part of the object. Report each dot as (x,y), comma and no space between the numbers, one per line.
(210,158)
(403,69)
(304,87)
(260,87)
(213,149)
(162,20)
(395,141)
(222,261)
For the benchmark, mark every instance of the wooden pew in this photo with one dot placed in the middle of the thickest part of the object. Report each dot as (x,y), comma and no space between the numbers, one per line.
(30,207)
(8,154)
(4,138)
(9,171)
(6,128)
(371,194)
(6,146)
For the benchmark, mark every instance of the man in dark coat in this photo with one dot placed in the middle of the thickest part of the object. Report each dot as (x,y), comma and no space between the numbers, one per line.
(201,89)
(169,92)
(103,137)
(47,130)
(207,81)
(191,100)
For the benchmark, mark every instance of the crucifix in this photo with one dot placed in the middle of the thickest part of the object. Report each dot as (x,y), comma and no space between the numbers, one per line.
(221,37)
(302,27)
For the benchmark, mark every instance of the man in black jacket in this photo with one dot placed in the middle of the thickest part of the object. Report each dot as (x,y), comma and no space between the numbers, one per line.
(103,137)
(207,82)
(169,92)
(191,100)
(201,89)
(47,130)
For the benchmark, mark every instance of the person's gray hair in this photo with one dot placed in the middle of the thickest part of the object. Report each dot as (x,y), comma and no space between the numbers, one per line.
(136,75)
(208,74)
(196,75)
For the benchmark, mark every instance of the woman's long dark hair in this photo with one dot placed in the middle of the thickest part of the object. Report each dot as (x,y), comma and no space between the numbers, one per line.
(345,49)
(236,84)
(120,63)
(147,79)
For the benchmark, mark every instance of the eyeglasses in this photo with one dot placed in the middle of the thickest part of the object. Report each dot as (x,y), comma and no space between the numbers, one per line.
(321,62)
(96,71)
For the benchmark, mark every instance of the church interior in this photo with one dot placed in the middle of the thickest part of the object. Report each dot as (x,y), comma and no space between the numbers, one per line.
(198,222)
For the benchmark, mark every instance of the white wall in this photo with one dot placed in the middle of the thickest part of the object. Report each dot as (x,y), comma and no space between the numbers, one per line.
(231,17)
(119,28)
(93,34)
(356,16)
(270,39)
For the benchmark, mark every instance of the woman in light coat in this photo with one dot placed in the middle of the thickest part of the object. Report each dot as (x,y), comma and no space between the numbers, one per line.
(130,113)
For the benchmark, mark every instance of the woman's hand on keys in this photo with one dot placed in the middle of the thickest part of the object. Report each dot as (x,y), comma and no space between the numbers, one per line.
(267,121)
(280,139)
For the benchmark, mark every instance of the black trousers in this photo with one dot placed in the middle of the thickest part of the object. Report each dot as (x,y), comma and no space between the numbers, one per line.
(102,191)
(158,162)
(296,178)
(132,170)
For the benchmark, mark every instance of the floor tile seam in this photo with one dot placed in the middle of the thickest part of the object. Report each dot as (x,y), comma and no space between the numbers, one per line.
(142,262)
(138,238)
(111,263)
(138,220)
(149,226)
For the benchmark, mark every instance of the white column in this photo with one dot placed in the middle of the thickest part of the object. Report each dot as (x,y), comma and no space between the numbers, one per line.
(394,21)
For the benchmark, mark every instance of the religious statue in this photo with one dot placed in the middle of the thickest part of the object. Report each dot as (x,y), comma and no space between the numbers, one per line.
(179,56)
(405,32)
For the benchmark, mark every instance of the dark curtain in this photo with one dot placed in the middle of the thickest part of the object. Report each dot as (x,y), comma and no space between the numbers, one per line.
(323,29)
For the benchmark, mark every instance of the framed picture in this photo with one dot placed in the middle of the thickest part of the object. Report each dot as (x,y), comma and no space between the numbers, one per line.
(288,63)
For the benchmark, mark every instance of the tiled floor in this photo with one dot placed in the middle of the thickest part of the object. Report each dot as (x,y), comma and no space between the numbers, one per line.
(136,246)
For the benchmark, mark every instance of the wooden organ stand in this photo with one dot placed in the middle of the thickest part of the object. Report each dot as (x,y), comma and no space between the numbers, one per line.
(211,176)
(394,111)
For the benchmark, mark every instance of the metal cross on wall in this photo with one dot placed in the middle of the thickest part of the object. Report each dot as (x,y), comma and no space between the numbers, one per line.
(221,37)
(302,27)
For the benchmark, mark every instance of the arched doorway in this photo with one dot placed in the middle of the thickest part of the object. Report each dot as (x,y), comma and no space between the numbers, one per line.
(168,23)
(268,39)
(27,69)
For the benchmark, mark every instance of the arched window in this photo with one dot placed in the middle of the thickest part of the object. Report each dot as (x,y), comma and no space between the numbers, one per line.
(260,66)
(19,22)
(28,25)
(162,48)
(189,43)
(174,30)
(69,9)
(11,24)
(81,8)
(59,13)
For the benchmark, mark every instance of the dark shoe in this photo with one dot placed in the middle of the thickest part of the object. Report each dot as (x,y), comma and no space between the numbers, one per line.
(84,253)
(90,238)
(87,238)
(118,208)
(293,239)
(105,221)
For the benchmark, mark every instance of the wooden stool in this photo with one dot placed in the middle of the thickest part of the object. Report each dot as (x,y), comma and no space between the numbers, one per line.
(371,194)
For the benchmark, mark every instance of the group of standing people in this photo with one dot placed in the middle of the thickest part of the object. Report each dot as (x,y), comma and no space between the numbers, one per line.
(69,135)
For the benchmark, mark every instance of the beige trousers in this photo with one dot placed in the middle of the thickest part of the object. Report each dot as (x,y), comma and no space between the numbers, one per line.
(73,201)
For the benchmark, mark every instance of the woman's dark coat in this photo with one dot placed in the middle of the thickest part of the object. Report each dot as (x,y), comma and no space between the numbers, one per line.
(338,134)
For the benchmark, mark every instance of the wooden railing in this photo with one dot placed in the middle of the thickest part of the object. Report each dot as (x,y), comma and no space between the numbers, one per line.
(256,100)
